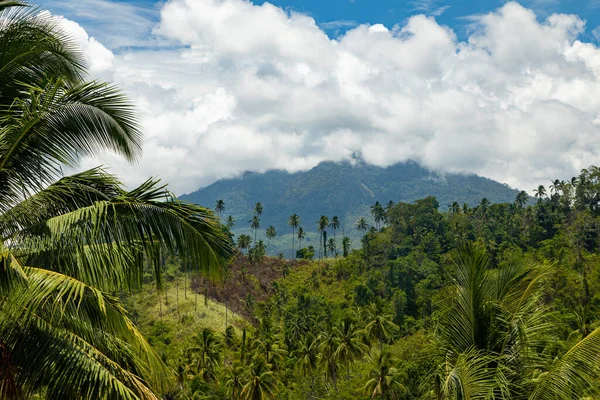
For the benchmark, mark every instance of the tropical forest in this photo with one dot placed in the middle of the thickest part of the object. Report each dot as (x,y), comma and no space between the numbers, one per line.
(399,284)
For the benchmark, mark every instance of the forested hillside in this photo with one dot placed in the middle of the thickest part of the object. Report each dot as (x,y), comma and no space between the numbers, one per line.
(337,189)
(491,301)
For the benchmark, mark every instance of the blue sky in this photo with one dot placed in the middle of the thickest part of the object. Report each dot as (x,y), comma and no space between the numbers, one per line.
(333,16)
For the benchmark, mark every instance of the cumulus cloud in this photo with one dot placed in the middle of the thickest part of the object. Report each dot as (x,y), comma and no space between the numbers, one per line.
(253,87)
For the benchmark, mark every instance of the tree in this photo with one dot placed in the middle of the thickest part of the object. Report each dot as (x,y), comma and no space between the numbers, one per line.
(521,199)
(351,345)
(230,223)
(335,225)
(321,226)
(243,241)
(301,236)
(294,222)
(491,322)
(378,214)
(328,345)
(255,225)
(234,378)
(361,225)
(67,241)
(220,207)
(307,355)
(260,381)
(384,377)
(379,323)
(271,233)
(540,193)
(331,245)
(206,354)
(258,209)
(346,243)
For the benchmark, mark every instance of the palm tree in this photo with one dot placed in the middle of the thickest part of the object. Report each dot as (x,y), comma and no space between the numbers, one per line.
(328,345)
(307,355)
(379,322)
(384,377)
(255,225)
(220,207)
(294,222)
(243,241)
(271,233)
(258,209)
(351,345)
(230,223)
(322,225)
(66,241)
(378,213)
(540,193)
(260,381)
(334,224)
(361,225)
(331,245)
(206,354)
(346,243)
(301,235)
(234,378)
(493,322)
(521,199)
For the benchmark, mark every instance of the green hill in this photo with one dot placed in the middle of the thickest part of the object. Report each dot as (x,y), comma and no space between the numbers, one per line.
(340,189)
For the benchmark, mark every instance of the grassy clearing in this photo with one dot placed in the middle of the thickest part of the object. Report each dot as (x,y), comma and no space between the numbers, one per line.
(178,316)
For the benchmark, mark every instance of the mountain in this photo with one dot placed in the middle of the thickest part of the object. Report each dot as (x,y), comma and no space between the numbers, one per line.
(341,189)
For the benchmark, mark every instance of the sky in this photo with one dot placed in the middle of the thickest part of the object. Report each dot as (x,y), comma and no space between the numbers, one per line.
(506,90)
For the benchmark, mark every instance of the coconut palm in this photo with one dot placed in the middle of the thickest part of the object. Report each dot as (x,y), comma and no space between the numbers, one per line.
(335,225)
(379,323)
(384,380)
(331,245)
(258,209)
(260,381)
(220,207)
(230,223)
(346,243)
(234,378)
(540,193)
(308,355)
(492,326)
(243,241)
(378,213)
(255,225)
(206,354)
(65,241)
(294,222)
(322,224)
(351,345)
(328,345)
(361,225)
(271,233)
(301,235)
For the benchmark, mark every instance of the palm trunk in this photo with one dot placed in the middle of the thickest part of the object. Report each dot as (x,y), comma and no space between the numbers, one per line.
(293,242)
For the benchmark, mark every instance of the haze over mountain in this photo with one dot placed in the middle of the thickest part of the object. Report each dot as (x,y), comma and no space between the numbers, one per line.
(340,189)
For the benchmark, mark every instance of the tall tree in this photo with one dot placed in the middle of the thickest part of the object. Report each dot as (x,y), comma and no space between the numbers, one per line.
(243,241)
(255,225)
(271,233)
(294,222)
(361,225)
(66,241)
(260,381)
(385,379)
(346,243)
(230,223)
(258,209)
(351,344)
(301,235)
(220,207)
(322,225)
(335,225)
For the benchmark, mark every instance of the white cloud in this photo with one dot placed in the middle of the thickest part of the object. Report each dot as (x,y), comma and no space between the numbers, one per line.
(257,88)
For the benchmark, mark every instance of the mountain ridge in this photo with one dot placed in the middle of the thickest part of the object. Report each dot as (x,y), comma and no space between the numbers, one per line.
(344,189)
